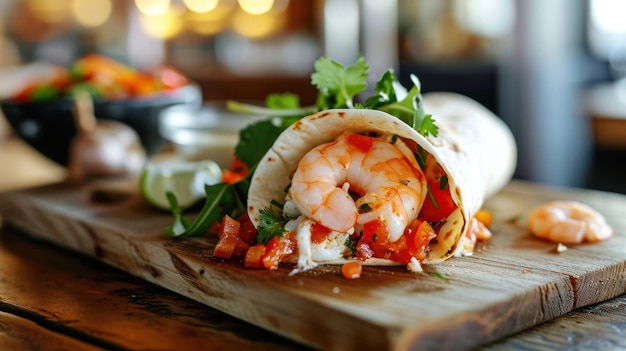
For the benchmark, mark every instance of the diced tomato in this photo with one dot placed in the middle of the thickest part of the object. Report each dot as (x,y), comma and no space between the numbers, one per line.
(229,226)
(241,248)
(277,250)
(351,270)
(414,243)
(364,250)
(231,176)
(319,233)
(237,172)
(254,256)
(485,217)
(445,204)
(229,246)
(247,232)
(225,246)
(419,234)
(361,142)
(374,231)
(214,229)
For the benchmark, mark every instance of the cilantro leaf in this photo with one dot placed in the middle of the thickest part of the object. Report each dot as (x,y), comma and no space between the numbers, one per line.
(385,91)
(257,138)
(271,225)
(338,85)
(427,126)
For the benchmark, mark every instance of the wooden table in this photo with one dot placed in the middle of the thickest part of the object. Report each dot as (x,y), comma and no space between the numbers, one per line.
(53,299)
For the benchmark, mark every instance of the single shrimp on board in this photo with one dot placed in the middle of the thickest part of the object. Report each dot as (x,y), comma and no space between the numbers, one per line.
(382,175)
(568,222)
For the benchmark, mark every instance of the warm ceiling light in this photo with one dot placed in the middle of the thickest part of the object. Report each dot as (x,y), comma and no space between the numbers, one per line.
(153,7)
(257,26)
(164,26)
(201,6)
(256,7)
(50,11)
(91,13)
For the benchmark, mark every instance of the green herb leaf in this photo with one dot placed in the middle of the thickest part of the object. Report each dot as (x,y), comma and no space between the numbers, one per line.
(285,101)
(385,91)
(427,126)
(257,138)
(221,199)
(338,85)
(241,107)
(271,225)
(180,223)
(443,182)
(439,276)
(431,197)
(350,245)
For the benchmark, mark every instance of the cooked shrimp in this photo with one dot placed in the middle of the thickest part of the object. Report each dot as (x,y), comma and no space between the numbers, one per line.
(568,222)
(386,176)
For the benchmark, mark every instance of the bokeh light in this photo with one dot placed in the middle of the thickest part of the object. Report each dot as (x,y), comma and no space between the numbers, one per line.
(164,26)
(211,22)
(201,6)
(91,13)
(51,11)
(153,7)
(257,26)
(256,7)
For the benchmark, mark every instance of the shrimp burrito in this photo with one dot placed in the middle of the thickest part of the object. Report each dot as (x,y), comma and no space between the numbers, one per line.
(359,184)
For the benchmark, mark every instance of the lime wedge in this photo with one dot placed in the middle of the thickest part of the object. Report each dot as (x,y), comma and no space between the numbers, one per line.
(185,179)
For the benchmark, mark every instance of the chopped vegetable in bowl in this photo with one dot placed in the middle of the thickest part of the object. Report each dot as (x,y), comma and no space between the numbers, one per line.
(104,79)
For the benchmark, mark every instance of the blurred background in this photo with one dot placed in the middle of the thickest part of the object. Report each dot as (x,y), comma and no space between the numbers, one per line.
(552,70)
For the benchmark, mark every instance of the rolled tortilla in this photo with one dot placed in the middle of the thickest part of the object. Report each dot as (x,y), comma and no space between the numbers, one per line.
(474,147)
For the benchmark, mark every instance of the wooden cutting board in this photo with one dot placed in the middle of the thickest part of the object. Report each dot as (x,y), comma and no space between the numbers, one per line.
(511,283)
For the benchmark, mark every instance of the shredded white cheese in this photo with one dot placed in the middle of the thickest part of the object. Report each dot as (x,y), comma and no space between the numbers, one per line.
(414,266)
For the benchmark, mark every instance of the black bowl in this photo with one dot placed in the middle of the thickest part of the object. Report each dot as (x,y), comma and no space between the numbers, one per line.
(50,126)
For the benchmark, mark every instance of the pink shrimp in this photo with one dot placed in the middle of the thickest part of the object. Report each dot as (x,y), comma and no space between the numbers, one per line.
(568,222)
(386,176)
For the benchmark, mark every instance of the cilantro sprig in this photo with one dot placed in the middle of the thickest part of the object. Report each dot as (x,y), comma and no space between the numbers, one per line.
(271,225)
(338,87)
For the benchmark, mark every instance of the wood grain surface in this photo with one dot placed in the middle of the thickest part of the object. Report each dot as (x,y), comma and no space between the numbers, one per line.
(58,300)
(511,283)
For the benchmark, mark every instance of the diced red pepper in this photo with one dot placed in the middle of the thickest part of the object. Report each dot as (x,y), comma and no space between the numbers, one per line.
(351,270)
(229,246)
(229,226)
(445,204)
(485,217)
(361,142)
(278,249)
(241,248)
(254,256)
(214,229)
(414,243)
(247,231)
(364,250)
(374,231)
(225,247)
(319,233)
(419,234)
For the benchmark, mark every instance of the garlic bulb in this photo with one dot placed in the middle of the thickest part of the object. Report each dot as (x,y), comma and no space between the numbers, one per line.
(102,147)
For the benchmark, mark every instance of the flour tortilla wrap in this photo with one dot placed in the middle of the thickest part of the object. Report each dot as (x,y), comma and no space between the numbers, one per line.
(474,147)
